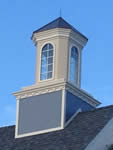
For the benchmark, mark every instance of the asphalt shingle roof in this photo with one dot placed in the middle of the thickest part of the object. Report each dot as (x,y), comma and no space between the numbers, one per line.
(76,136)
(58,23)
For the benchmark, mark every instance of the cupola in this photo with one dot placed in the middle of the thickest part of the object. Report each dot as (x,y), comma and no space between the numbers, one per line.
(56,97)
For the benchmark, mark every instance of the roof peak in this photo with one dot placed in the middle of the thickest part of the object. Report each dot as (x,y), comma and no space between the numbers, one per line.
(58,23)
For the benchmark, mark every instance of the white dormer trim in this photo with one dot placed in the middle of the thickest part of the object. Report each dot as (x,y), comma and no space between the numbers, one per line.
(38,132)
(47,130)
(56,86)
(63,108)
(17,118)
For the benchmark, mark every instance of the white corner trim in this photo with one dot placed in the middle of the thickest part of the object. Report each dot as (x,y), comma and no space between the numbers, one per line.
(38,132)
(75,114)
(17,117)
(63,108)
(103,139)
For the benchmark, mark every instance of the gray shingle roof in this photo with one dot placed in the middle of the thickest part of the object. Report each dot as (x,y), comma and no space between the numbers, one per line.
(76,136)
(58,23)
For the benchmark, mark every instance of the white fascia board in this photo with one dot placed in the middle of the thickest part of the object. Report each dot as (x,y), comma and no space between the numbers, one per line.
(43,88)
(56,86)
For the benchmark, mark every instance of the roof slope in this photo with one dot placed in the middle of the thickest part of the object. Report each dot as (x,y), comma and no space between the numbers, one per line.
(58,23)
(76,136)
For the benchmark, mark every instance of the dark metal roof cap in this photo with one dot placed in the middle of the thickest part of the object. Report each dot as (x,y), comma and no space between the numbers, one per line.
(58,23)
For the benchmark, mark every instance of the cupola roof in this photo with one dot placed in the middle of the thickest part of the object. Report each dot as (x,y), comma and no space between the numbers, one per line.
(58,23)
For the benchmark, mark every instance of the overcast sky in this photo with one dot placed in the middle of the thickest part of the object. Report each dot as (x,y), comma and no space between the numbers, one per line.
(19,18)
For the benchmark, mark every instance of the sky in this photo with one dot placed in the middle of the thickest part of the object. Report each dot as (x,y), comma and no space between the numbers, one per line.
(19,18)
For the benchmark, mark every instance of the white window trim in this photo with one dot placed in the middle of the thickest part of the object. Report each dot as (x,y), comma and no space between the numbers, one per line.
(53,73)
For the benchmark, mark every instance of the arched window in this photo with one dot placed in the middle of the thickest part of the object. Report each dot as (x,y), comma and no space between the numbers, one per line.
(47,62)
(74,65)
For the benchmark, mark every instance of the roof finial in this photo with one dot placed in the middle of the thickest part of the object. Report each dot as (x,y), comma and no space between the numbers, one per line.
(60,12)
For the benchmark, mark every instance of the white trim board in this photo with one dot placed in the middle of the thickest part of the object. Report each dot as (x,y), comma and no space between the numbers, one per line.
(63,108)
(38,132)
(17,118)
(55,87)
